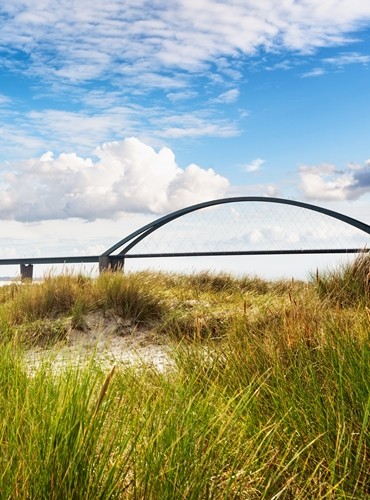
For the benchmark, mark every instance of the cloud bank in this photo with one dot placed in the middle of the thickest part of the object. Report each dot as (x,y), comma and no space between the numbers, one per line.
(128,176)
(325,182)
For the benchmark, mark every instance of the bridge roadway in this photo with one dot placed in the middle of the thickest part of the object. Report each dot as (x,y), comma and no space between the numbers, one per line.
(117,261)
(84,259)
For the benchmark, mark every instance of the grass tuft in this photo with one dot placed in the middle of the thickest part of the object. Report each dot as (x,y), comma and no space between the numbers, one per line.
(130,297)
(347,286)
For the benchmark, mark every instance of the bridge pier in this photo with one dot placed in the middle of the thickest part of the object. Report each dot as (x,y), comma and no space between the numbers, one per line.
(107,263)
(26,272)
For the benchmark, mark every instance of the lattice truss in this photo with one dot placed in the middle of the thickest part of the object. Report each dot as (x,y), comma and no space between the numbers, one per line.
(252,226)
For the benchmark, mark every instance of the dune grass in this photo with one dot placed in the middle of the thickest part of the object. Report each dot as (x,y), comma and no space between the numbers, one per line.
(268,395)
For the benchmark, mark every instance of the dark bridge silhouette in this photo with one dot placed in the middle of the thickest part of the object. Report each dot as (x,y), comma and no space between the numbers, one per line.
(114,257)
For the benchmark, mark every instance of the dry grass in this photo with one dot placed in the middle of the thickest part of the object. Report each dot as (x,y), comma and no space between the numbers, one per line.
(348,285)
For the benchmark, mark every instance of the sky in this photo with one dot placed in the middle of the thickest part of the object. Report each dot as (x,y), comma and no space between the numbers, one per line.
(116,112)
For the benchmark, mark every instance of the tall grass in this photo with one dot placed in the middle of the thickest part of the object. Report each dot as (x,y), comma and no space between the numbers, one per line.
(348,285)
(130,297)
(42,313)
(277,407)
(55,438)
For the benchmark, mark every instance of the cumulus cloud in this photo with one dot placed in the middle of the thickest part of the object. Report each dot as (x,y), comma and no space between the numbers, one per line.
(128,176)
(325,182)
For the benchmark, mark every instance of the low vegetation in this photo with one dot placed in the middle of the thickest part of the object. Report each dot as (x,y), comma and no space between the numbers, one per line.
(268,395)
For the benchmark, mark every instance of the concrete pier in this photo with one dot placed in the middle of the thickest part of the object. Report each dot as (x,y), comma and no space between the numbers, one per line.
(26,272)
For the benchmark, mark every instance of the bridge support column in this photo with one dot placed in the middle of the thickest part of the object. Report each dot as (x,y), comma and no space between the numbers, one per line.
(26,272)
(105,263)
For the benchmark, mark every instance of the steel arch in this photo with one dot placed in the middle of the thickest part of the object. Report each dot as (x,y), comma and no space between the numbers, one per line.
(135,237)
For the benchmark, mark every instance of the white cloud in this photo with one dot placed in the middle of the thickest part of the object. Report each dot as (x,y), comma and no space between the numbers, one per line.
(129,176)
(15,141)
(4,100)
(348,58)
(182,95)
(96,38)
(339,61)
(325,182)
(254,165)
(28,134)
(210,130)
(269,190)
(105,59)
(31,133)
(195,124)
(313,73)
(81,128)
(228,97)
(284,65)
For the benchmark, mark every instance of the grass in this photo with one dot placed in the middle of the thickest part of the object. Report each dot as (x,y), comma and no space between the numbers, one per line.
(268,396)
(347,285)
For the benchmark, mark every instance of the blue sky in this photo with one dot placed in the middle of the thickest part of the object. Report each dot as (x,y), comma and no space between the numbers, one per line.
(113,113)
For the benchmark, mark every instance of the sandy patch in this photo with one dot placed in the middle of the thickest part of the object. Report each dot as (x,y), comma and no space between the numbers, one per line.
(108,340)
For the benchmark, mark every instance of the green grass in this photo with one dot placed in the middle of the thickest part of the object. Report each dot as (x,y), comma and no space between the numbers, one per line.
(268,395)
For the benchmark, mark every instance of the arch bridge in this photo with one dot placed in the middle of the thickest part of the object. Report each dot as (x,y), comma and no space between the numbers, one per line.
(268,217)
(244,225)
